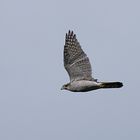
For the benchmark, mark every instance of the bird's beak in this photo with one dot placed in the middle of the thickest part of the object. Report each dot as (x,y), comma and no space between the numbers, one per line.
(62,88)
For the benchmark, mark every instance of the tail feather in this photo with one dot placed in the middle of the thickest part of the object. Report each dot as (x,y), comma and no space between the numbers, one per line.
(111,85)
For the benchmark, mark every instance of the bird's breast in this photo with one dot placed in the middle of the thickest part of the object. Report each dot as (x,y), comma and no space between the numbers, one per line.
(83,86)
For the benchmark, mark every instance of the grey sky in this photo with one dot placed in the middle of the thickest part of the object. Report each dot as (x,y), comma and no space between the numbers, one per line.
(32,106)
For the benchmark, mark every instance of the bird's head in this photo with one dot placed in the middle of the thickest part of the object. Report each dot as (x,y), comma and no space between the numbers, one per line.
(66,87)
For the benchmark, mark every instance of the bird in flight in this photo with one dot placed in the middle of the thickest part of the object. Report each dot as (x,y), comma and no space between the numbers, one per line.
(78,66)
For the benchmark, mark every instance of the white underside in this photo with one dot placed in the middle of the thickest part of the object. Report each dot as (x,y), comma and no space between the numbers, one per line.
(83,85)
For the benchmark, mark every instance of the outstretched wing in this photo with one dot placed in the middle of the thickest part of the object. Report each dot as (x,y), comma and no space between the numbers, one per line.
(76,61)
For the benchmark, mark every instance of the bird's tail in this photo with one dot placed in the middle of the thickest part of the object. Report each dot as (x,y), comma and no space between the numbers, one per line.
(111,85)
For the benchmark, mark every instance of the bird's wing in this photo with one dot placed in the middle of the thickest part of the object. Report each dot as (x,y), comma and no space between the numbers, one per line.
(76,61)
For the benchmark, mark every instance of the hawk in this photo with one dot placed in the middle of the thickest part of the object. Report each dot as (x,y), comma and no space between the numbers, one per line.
(78,66)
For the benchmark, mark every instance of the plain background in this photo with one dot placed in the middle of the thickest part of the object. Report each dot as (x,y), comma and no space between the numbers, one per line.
(32,106)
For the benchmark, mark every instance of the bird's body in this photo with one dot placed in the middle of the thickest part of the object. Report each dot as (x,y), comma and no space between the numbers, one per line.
(79,69)
(82,86)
